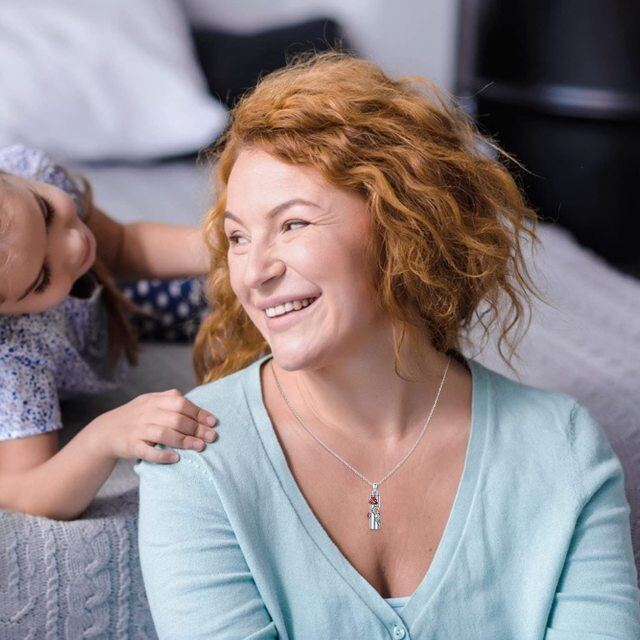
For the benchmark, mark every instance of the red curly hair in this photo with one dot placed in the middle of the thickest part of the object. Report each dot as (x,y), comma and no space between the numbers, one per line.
(448,219)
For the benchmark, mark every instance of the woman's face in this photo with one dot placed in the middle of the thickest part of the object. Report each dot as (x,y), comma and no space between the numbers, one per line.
(47,244)
(294,239)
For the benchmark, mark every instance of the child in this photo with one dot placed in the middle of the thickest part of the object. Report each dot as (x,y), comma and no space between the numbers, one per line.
(65,330)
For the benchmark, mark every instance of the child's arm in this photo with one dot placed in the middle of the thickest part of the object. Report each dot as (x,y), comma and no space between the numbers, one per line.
(148,249)
(36,480)
(52,485)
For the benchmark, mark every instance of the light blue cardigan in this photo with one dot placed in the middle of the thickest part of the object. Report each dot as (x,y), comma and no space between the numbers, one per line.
(537,545)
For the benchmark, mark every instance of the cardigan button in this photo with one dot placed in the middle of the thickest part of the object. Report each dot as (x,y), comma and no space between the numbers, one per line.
(399,632)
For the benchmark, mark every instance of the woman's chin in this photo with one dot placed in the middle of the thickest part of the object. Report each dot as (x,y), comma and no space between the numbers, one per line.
(290,358)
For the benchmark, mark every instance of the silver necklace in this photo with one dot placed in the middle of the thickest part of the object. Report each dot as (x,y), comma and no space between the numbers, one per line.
(374,515)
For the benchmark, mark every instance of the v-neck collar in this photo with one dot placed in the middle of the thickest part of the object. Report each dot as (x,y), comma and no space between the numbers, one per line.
(453,531)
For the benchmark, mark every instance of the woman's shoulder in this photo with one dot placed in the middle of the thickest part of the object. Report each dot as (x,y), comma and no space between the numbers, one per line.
(237,448)
(519,406)
(225,395)
(231,399)
(531,420)
(514,396)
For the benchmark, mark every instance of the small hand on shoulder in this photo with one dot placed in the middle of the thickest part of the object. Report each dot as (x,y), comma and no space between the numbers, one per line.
(166,417)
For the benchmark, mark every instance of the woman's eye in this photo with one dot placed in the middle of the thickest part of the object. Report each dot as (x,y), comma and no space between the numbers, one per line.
(288,224)
(235,239)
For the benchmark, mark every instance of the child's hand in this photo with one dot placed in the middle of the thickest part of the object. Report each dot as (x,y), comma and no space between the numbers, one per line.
(167,417)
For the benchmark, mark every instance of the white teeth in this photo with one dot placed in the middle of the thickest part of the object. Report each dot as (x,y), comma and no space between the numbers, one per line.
(287,307)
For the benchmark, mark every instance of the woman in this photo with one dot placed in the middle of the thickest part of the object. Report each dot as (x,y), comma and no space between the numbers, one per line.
(370,481)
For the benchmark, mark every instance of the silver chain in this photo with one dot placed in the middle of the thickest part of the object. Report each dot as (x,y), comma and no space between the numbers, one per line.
(333,453)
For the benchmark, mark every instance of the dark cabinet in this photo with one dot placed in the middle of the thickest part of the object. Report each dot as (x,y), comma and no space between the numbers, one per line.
(557,83)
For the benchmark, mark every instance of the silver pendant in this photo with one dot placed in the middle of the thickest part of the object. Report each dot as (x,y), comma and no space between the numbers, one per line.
(374,515)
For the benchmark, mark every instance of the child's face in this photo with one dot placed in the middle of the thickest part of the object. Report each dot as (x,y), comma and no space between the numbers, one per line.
(44,246)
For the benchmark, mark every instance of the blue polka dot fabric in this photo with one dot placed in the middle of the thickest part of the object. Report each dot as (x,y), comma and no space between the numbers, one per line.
(177,307)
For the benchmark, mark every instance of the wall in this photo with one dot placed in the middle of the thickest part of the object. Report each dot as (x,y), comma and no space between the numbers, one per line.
(406,37)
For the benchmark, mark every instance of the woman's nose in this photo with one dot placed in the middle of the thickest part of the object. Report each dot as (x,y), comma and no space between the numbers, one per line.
(262,265)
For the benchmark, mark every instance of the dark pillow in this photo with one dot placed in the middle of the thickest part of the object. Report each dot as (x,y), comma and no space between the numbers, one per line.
(234,62)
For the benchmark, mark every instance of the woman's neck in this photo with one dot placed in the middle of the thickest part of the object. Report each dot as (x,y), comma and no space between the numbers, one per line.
(361,396)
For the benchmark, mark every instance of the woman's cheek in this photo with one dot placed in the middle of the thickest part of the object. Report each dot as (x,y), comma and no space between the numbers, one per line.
(235,278)
(311,257)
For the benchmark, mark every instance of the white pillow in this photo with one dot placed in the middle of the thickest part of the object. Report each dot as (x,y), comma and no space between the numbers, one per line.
(102,79)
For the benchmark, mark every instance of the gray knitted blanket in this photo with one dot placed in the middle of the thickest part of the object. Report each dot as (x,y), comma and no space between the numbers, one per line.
(82,579)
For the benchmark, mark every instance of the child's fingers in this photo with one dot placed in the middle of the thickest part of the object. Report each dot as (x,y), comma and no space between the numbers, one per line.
(183,424)
(206,417)
(178,421)
(208,434)
(174,400)
(172,437)
(161,456)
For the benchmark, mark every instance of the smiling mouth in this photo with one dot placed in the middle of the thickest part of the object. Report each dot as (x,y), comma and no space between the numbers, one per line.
(289,308)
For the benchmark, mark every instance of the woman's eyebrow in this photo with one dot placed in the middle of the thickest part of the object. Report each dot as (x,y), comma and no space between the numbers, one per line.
(276,210)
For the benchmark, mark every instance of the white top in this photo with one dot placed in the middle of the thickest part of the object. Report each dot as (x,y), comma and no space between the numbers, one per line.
(398,603)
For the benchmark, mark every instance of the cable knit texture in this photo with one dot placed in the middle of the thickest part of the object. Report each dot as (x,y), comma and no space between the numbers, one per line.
(81,579)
